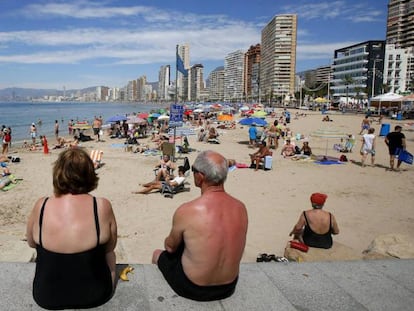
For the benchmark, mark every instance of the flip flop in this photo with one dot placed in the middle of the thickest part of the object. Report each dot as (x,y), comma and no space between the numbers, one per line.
(262,258)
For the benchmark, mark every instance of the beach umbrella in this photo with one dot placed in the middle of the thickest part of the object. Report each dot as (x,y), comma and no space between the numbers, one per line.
(328,133)
(244,108)
(136,120)
(116,118)
(321,100)
(224,117)
(259,114)
(154,115)
(250,121)
(163,117)
(143,115)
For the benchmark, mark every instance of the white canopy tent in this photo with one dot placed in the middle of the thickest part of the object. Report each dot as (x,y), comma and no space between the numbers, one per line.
(388,99)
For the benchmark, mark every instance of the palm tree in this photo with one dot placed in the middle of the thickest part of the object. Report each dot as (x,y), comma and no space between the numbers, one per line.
(347,80)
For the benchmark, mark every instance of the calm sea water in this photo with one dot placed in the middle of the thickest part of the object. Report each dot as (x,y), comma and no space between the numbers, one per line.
(20,115)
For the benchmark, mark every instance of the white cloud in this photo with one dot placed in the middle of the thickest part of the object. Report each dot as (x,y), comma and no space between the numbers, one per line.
(344,10)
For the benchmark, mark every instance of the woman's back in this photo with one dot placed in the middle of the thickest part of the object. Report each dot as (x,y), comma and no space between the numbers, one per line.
(71,270)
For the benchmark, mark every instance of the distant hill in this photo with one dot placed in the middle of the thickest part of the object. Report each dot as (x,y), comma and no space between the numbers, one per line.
(16,93)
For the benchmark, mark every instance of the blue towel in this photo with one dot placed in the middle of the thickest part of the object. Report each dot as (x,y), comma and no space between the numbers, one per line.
(328,162)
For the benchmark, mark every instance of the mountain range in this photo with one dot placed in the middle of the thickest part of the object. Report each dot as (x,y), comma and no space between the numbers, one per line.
(16,93)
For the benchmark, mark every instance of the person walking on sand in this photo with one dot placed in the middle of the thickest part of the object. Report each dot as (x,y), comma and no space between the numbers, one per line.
(33,133)
(96,125)
(43,139)
(395,142)
(365,125)
(6,139)
(202,253)
(368,146)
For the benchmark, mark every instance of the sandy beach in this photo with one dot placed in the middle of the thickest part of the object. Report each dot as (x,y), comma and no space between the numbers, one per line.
(366,201)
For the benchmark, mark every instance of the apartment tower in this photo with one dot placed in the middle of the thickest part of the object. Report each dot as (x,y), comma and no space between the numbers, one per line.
(164,81)
(196,82)
(278,57)
(400,23)
(234,76)
(216,88)
(183,83)
(252,76)
(399,62)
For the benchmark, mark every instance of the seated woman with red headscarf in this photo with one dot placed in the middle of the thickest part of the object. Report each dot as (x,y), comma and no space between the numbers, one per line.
(316,226)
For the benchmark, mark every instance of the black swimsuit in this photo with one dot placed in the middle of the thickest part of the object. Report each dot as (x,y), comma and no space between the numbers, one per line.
(314,239)
(71,281)
(172,269)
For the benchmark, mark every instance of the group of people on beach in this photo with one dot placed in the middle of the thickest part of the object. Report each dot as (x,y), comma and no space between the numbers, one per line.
(76,264)
(394,140)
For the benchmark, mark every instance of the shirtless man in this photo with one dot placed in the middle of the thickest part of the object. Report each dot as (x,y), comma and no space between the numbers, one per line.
(259,155)
(365,125)
(288,149)
(208,236)
(96,125)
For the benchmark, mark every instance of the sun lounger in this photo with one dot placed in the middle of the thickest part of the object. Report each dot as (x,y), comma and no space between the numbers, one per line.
(96,157)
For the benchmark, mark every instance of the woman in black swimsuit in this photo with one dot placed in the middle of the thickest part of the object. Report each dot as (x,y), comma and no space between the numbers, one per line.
(316,226)
(75,235)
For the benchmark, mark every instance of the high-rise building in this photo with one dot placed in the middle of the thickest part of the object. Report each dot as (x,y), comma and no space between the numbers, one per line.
(357,70)
(396,69)
(164,82)
(216,87)
(400,23)
(234,76)
(252,75)
(183,85)
(141,88)
(278,57)
(196,82)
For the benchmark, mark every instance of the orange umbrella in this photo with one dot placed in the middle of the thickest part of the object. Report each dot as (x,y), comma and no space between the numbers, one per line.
(225,117)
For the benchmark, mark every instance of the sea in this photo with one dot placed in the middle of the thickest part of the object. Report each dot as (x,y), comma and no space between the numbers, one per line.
(20,115)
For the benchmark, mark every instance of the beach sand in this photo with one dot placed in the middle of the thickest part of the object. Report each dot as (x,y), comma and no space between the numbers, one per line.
(366,202)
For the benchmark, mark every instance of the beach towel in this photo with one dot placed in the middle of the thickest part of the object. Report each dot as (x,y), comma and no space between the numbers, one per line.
(12,185)
(328,162)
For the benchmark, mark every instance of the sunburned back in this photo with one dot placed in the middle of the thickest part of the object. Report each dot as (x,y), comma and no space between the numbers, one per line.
(215,239)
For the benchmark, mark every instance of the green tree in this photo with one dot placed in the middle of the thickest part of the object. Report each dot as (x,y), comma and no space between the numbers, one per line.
(347,80)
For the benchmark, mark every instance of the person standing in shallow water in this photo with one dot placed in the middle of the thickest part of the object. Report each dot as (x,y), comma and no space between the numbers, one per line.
(33,133)
(202,253)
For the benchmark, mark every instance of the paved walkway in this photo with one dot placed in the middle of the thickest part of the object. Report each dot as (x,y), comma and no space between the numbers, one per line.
(348,285)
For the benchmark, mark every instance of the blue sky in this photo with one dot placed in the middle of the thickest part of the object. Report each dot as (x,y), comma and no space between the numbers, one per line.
(76,44)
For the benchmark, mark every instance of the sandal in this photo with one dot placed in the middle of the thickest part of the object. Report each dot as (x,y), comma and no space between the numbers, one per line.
(262,258)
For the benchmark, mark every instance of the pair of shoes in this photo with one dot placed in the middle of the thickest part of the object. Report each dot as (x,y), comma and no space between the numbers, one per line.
(262,258)
(271,257)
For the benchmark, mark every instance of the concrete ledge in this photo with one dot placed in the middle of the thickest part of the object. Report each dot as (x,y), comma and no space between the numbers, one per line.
(349,285)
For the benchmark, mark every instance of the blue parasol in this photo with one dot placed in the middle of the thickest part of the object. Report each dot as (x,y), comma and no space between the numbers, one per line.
(116,119)
(250,121)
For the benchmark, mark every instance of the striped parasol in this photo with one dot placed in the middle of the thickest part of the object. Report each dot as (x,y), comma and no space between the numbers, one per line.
(328,133)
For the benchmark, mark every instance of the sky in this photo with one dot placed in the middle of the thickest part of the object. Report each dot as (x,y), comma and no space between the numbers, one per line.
(78,44)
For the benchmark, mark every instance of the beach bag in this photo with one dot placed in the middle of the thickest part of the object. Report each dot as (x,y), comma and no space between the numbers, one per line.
(343,158)
(404,156)
(299,246)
